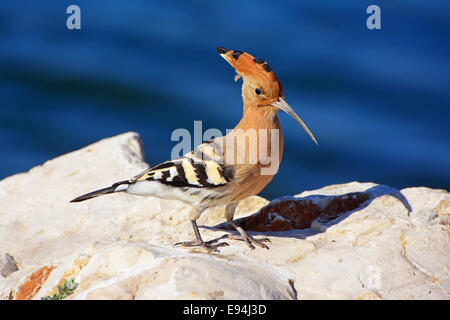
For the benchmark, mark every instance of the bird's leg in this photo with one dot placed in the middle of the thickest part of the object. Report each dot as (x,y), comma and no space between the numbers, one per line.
(198,242)
(229,213)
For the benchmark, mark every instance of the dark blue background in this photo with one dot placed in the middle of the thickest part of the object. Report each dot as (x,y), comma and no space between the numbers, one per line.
(378,101)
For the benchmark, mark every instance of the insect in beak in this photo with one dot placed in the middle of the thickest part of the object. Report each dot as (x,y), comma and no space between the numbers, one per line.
(283,105)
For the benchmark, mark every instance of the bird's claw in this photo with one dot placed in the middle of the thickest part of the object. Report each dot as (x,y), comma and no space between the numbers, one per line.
(209,246)
(250,240)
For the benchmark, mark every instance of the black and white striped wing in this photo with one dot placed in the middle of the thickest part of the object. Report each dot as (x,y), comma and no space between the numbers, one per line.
(196,169)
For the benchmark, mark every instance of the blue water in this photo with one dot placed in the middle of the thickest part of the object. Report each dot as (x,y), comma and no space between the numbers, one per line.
(377,101)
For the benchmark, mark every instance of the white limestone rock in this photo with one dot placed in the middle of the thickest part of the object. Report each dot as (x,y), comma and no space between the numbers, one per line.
(394,246)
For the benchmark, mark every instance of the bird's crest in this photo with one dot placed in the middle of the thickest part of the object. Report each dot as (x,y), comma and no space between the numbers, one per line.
(248,66)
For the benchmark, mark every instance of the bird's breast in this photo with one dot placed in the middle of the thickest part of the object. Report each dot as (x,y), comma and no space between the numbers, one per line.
(255,149)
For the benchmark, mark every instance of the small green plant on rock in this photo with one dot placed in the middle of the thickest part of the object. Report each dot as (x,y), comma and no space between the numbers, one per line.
(64,291)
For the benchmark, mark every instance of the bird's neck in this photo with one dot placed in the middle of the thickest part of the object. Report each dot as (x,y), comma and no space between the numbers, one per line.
(255,117)
(263,122)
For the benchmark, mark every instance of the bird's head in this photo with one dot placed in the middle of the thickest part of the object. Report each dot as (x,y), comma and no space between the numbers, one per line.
(260,87)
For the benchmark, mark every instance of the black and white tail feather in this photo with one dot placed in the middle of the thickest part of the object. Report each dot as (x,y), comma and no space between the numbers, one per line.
(111,189)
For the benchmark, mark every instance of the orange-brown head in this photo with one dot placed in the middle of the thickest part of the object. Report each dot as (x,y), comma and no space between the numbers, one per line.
(260,87)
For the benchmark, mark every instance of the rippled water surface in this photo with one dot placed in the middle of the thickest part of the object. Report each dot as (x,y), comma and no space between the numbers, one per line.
(378,101)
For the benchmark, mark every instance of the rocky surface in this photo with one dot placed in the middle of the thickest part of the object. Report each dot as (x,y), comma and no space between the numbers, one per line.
(349,241)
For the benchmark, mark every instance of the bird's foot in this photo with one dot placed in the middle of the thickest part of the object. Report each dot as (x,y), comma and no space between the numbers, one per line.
(210,246)
(250,240)
(243,236)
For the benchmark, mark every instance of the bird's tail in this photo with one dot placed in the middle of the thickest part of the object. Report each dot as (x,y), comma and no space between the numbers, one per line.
(116,187)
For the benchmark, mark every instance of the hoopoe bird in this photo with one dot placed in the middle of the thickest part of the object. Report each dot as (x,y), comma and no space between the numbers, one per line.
(227,169)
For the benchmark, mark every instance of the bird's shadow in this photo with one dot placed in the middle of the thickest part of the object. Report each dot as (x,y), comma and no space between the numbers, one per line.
(301,217)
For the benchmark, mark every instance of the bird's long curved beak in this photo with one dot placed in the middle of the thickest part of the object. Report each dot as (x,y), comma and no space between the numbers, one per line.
(283,105)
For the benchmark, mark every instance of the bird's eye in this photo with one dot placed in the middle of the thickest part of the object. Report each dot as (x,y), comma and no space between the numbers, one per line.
(257,91)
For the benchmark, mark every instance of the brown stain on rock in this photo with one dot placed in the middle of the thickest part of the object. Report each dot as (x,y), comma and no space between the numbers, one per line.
(34,283)
(344,203)
(298,213)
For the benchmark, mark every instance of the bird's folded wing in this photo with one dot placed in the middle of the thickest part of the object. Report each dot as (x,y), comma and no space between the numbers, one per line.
(197,169)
